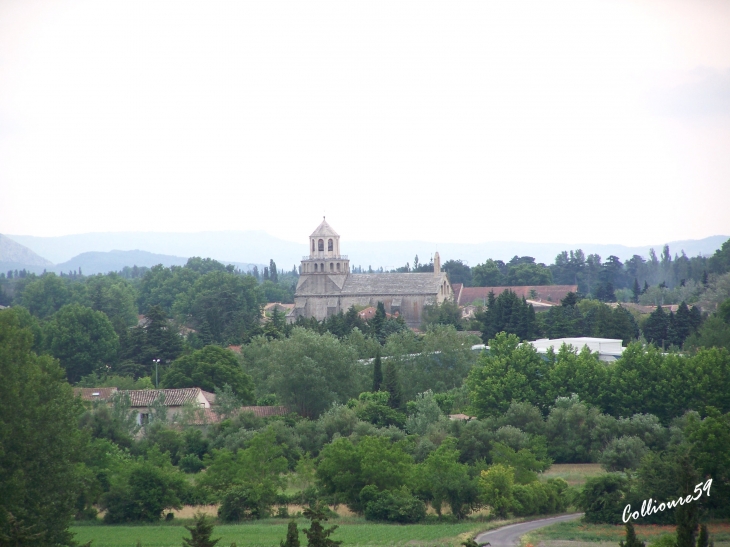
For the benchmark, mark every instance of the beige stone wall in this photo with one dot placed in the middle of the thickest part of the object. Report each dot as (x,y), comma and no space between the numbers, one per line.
(320,307)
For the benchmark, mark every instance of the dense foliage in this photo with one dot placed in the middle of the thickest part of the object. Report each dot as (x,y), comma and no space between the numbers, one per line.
(369,401)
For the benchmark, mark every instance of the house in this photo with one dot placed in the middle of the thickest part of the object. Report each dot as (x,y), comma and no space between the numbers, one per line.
(174,400)
(540,296)
(95,394)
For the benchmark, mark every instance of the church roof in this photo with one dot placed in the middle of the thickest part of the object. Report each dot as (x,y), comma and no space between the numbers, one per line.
(324,230)
(392,283)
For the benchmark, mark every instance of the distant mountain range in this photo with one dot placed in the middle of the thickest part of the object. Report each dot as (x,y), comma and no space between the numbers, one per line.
(103,252)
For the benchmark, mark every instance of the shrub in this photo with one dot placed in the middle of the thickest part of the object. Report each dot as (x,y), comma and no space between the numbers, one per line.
(623,453)
(241,503)
(538,498)
(392,506)
(191,464)
(603,498)
(143,494)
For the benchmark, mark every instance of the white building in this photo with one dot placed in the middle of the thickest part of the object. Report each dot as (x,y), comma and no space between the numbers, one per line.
(608,349)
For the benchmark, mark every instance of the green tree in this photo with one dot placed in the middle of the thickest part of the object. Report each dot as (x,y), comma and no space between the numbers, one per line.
(488,274)
(307,371)
(631,539)
(210,368)
(603,498)
(161,286)
(40,442)
(528,274)
(377,322)
(45,296)
(114,296)
(318,535)
(143,490)
(392,385)
(714,333)
(446,313)
(496,484)
(292,535)
(510,372)
(457,271)
(226,304)
(656,326)
(200,533)
(248,479)
(446,480)
(156,338)
(82,339)
(346,469)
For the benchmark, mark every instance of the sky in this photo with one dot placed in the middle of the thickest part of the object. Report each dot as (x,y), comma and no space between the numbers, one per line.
(470,121)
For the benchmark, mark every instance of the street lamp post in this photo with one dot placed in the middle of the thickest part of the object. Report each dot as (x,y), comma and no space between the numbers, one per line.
(157,378)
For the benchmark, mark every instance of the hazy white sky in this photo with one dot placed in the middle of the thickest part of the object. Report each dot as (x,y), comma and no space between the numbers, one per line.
(605,122)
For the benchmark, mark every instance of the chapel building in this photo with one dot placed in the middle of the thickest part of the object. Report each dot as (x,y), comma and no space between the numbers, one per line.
(326,286)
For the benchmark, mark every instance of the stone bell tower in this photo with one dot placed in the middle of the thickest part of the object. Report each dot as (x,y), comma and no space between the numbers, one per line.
(324,253)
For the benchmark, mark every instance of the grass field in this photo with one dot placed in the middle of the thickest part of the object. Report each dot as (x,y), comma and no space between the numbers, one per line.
(575,474)
(575,534)
(268,533)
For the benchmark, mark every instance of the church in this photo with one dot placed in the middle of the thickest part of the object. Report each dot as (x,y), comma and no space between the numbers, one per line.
(326,286)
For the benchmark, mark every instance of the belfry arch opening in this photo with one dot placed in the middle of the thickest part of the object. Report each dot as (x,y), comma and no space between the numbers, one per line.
(320,244)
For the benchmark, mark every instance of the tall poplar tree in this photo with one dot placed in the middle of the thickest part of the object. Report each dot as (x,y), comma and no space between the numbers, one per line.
(377,372)
(392,385)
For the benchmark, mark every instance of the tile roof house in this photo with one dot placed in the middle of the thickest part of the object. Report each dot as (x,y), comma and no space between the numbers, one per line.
(142,400)
(92,394)
(175,400)
(544,295)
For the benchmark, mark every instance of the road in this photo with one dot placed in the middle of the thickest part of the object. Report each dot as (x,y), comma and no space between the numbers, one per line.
(509,536)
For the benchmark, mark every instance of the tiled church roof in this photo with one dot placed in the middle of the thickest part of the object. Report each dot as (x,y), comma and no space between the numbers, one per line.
(392,283)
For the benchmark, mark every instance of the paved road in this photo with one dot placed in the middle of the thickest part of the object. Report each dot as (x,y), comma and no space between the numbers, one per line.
(509,536)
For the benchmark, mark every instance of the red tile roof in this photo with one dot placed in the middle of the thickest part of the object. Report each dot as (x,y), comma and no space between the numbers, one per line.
(173,397)
(94,393)
(548,293)
(266,411)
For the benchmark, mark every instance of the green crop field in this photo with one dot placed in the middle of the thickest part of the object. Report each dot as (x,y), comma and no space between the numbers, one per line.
(268,533)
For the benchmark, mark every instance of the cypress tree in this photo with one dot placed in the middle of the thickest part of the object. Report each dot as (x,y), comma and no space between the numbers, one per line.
(703,540)
(392,385)
(655,327)
(687,515)
(377,372)
(631,539)
(637,291)
(273,274)
(317,535)
(292,535)
(200,533)
(377,322)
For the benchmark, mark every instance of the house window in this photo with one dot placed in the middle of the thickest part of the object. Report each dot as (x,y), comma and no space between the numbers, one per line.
(320,243)
(329,245)
(144,419)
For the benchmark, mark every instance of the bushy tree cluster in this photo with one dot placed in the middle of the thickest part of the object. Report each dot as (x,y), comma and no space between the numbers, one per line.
(643,381)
